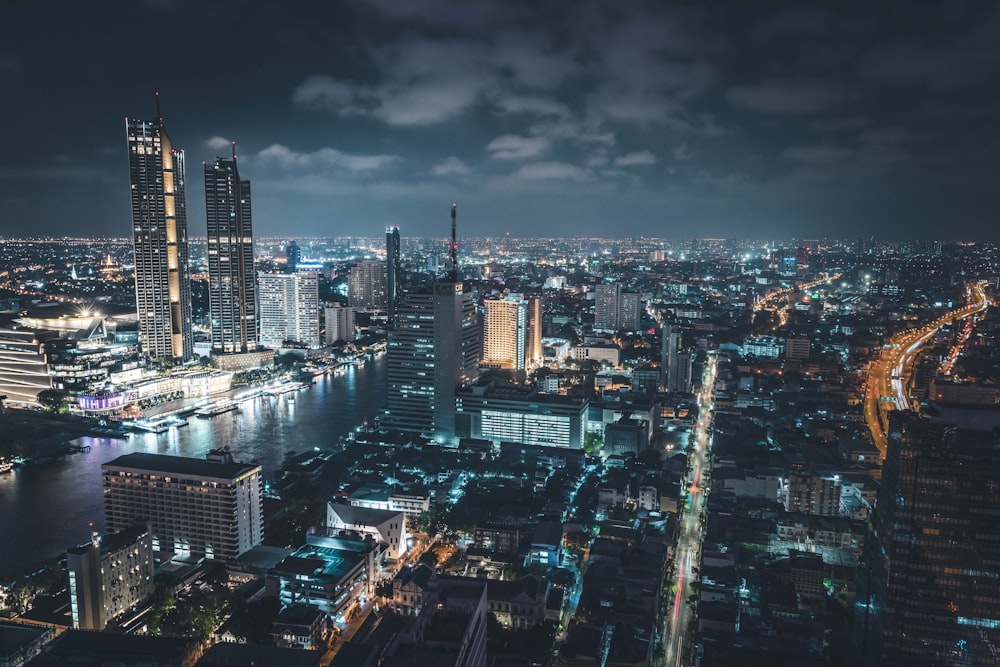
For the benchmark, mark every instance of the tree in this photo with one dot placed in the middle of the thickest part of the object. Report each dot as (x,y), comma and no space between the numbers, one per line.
(52,400)
(592,442)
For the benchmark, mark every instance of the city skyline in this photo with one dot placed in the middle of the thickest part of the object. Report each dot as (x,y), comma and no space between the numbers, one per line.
(541,120)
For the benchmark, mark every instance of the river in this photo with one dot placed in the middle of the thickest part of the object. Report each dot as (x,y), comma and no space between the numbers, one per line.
(48,508)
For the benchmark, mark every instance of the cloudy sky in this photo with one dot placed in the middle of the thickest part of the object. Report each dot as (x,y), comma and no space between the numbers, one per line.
(568,118)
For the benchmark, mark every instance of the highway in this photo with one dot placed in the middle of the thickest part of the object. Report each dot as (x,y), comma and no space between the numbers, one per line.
(889,375)
(676,623)
(770,300)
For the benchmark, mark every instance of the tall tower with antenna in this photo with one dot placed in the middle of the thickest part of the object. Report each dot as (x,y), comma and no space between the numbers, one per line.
(232,281)
(422,387)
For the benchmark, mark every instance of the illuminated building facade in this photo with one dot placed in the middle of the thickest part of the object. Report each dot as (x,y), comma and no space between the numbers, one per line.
(109,576)
(160,241)
(512,332)
(289,309)
(195,507)
(366,285)
(432,351)
(232,294)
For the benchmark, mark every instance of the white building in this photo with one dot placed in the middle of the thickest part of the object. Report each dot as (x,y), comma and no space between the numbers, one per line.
(387,527)
(289,309)
(339,322)
(109,576)
(195,507)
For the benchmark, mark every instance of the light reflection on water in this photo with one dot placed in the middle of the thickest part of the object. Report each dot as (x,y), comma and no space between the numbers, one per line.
(46,509)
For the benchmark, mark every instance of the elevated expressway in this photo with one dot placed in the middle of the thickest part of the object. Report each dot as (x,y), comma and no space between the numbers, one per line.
(890,375)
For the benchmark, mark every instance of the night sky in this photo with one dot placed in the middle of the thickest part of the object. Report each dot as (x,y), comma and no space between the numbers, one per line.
(625,118)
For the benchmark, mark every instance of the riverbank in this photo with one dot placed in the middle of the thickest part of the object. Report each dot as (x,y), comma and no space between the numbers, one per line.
(31,436)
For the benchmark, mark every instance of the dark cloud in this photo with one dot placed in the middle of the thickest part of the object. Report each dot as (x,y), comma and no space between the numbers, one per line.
(783,117)
(787,97)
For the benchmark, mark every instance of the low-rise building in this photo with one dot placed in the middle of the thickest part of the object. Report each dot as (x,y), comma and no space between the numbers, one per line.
(386,527)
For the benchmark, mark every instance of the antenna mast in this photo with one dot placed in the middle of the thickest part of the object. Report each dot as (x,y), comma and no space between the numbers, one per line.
(454,246)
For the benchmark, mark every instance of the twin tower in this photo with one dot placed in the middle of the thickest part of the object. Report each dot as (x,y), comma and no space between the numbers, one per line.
(160,241)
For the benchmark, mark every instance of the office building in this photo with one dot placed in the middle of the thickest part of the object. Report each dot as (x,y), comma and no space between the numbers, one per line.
(339,321)
(512,332)
(196,508)
(432,351)
(615,309)
(24,368)
(517,414)
(606,307)
(109,576)
(929,590)
(232,293)
(160,241)
(393,271)
(289,309)
(629,311)
(797,348)
(293,255)
(366,285)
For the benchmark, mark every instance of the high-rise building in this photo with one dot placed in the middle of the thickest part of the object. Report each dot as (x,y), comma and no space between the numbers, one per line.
(606,306)
(929,590)
(289,309)
(669,361)
(293,255)
(160,241)
(615,309)
(232,294)
(433,350)
(339,322)
(629,311)
(366,285)
(393,271)
(195,507)
(512,332)
(110,575)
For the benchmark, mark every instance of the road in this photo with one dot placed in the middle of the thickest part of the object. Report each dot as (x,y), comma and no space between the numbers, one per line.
(889,375)
(770,300)
(676,623)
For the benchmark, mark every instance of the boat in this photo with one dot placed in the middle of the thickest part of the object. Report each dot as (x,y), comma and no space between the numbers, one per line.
(215,409)
(6,466)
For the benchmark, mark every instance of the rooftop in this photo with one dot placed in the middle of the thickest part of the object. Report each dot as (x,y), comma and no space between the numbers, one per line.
(180,465)
(362,516)
(320,562)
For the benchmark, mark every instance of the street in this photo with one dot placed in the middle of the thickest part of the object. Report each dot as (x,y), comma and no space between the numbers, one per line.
(889,375)
(677,622)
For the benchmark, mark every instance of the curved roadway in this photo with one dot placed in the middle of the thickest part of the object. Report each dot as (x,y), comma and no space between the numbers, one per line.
(889,375)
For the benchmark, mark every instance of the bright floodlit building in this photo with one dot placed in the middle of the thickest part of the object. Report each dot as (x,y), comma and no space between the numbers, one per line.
(160,240)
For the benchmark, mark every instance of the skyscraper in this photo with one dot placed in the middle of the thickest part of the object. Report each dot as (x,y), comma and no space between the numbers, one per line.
(393,271)
(289,309)
(209,508)
(929,590)
(512,332)
(433,350)
(160,240)
(670,365)
(293,255)
(366,285)
(232,293)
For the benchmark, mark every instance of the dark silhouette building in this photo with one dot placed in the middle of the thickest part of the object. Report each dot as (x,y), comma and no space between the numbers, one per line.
(393,271)
(929,590)
(232,293)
